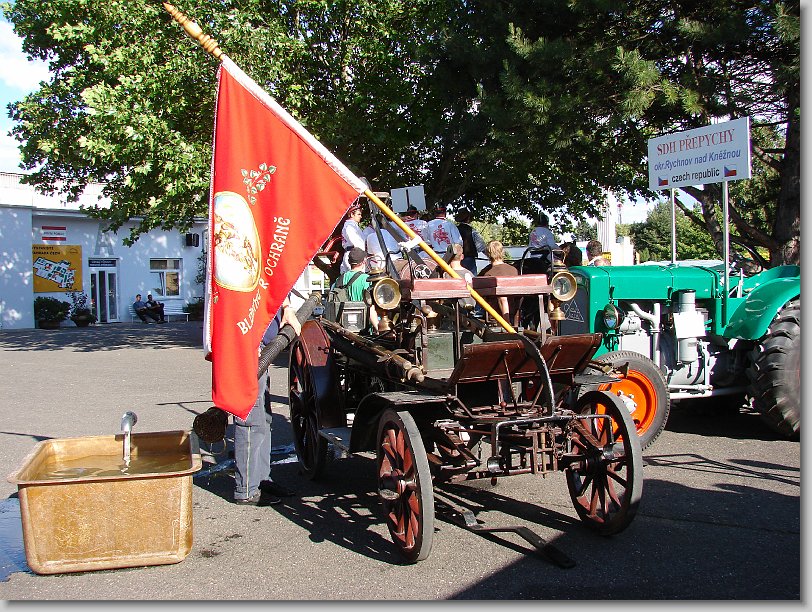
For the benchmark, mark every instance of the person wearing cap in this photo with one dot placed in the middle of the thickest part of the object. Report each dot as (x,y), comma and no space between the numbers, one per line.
(352,236)
(441,233)
(356,280)
(472,242)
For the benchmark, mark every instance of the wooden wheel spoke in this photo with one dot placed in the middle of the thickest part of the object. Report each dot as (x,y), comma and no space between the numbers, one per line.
(390,455)
(612,496)
(405,484)
(617,477)
(413,530)
(400,443)
(606,492)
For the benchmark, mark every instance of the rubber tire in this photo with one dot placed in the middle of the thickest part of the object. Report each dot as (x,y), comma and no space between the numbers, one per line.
(775,372)
(641,366)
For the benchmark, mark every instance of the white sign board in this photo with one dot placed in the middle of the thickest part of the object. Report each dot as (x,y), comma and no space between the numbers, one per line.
(403,197)
(54,233)
(710,154)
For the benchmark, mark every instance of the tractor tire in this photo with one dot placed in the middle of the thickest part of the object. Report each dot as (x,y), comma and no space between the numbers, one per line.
(775,372)
(644,389)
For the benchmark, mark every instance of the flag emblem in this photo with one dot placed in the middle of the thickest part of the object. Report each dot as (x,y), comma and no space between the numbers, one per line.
(236,243)
(730,171)
(661,181)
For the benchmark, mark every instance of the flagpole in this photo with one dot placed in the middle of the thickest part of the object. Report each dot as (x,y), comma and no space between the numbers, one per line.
(211,46)
(195,31)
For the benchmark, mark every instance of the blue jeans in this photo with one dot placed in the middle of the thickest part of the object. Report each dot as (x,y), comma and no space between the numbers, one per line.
(252,445)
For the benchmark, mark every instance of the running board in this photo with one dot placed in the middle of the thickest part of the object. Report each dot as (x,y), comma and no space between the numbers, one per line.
(465,518)
(338,437)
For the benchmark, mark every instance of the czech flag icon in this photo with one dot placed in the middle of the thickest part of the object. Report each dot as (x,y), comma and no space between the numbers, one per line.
(730,171)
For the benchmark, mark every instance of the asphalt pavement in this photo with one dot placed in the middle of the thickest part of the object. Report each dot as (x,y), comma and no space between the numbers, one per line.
(720,516)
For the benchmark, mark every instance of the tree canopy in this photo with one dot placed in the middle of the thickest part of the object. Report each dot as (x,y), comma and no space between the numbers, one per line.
(652,237)
(500,107)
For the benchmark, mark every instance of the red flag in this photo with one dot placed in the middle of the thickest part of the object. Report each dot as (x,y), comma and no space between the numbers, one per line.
(276,196)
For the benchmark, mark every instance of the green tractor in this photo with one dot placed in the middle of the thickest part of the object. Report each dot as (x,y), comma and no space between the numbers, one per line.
(710,331)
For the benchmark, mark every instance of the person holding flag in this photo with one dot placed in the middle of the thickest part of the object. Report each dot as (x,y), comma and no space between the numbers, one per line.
(253,485)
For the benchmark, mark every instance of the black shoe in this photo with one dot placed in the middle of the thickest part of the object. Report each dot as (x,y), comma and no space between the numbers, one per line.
(260,498)
(269,486)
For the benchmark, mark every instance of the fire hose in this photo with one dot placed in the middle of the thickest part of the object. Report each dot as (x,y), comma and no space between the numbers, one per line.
(210,426)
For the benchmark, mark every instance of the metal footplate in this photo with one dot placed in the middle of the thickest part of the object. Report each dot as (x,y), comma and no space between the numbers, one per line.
(339,437)
(466,519)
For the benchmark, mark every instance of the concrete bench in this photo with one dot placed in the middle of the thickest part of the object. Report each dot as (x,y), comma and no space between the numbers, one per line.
(171,309)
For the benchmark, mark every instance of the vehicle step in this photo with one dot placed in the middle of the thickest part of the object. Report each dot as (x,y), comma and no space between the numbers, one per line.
(338,436)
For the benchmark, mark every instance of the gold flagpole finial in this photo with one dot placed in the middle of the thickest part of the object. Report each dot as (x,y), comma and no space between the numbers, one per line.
(194,30)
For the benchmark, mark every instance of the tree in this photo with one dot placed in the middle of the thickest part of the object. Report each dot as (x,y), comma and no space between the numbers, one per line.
(585,231)
(652,237)
(131,98)
(585,84)
(500,107)
(510,231)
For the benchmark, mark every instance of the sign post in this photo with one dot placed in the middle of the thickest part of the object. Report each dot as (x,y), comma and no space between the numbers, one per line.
(716,153)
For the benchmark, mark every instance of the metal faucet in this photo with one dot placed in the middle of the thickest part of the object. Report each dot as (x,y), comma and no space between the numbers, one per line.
(128,420)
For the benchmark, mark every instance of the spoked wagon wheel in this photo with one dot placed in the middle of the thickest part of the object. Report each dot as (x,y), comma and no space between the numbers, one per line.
(605,479)
(404,485)
(311,448)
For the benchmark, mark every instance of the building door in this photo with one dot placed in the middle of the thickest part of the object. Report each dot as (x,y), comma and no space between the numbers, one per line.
(104,289)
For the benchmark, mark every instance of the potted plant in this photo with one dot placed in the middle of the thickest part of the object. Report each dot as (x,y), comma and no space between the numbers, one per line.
(49,312)
(80,312)
(195,309)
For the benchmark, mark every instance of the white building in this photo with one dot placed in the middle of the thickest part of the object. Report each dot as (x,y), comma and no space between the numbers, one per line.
(46,244)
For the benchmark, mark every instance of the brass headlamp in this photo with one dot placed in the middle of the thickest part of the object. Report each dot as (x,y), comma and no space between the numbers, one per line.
(564,288)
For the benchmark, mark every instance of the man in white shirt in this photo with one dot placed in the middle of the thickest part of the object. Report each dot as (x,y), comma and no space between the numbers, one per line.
(442,233)
(412,218)
(352,236)
(374,249)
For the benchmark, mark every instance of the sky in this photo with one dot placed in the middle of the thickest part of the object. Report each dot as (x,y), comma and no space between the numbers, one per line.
(19,76)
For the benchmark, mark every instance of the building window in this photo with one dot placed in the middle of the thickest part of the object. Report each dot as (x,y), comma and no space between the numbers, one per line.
(167,273)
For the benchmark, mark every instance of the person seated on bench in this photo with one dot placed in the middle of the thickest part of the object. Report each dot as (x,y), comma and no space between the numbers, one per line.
(156,307)
(505,306)
(142,310)
(456,264)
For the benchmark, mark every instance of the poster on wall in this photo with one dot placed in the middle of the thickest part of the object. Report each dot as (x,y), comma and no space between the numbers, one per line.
(57,267)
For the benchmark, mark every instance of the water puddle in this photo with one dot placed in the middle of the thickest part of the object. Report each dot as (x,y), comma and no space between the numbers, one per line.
(12,552)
